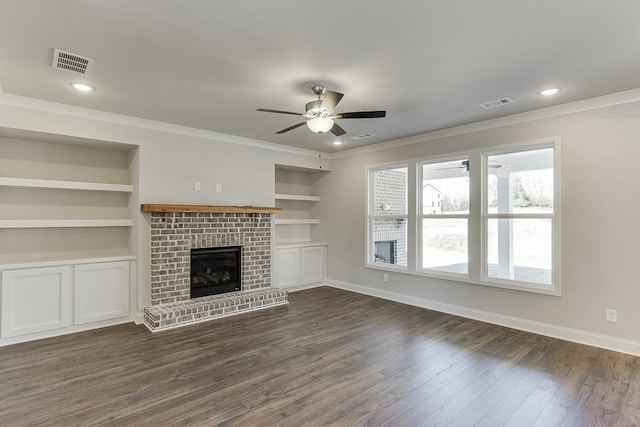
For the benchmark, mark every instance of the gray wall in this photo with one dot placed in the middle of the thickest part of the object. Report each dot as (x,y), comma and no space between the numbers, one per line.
(599,223)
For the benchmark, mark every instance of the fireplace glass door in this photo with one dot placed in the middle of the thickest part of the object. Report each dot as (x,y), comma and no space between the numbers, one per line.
(215,270)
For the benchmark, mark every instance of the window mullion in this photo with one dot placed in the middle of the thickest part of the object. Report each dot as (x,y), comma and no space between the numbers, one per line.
(475,231)
(412,211)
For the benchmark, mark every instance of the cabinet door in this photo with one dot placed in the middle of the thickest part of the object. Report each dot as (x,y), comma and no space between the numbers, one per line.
(286,267)
(101,291)
(36,300)
(312,265)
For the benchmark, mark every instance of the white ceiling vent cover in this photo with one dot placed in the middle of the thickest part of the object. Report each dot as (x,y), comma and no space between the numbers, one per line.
(71,62)
(496,103)
(362,136)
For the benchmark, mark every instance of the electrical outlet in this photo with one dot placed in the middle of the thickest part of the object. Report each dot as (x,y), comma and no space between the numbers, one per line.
(196,186)
(219,188)
(385,277)
(612,315)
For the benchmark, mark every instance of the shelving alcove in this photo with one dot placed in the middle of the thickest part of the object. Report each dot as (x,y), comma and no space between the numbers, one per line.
(299,257)
(67,261)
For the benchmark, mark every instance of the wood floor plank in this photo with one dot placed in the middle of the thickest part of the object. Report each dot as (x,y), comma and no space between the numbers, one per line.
(330,357)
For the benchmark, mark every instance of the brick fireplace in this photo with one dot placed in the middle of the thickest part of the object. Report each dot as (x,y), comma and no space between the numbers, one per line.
(175,231)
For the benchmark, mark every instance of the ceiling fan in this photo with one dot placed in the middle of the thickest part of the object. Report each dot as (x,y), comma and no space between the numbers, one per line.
(464,165)
(321,115)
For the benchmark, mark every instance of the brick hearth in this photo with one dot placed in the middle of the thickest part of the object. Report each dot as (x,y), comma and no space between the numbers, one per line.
(174,234)
(166,316)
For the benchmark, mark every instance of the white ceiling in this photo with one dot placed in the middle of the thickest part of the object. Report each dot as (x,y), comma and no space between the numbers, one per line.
(210,64)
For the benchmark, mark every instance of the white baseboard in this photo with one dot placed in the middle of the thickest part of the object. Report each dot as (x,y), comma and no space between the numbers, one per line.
(63,331)
(568,334)
(138,317)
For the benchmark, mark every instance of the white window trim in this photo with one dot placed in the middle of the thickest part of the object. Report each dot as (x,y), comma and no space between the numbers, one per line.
(477,229)
(421,215)
(554,287)
(371,218)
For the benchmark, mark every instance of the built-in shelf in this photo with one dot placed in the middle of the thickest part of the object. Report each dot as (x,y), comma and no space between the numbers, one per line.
(207,208)
(64,223)
(297,197)
(296,192)
(69,242)
(303,221)
(63,185)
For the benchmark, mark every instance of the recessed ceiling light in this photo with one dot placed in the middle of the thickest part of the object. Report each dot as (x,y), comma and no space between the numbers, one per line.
(337,142)
(550,91)
(82,87)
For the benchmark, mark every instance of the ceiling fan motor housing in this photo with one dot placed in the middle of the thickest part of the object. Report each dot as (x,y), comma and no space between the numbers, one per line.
(314,108)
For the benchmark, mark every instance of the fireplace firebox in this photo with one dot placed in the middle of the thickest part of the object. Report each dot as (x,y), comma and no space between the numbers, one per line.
(215,270)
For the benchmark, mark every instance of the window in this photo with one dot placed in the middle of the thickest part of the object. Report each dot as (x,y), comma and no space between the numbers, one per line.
(485,217)
(388,217)
(519,216)
(444,230)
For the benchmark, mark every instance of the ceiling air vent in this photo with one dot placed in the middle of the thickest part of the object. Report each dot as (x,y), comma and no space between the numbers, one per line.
(361,136)
(71,62)
(496,103)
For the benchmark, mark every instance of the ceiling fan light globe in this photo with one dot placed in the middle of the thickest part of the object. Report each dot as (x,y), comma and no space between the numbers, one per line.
(320,124)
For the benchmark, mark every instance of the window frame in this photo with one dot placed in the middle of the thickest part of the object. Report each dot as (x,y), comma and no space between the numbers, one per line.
(477,238)
(370,235)
(554,287)
(420,216)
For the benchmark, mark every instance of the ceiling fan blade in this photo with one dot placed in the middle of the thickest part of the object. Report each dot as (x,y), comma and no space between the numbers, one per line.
(452,167)
(330,100)
(291,127)
(266,110)
(362,115)
(337,130)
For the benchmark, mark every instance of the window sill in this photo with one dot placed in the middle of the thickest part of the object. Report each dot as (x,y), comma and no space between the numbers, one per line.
(488,282)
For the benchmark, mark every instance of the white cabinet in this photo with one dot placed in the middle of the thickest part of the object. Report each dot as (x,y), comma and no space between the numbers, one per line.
(64,298)
(311,264)
(286,270)
(101,291)
(36,300)
(298,265)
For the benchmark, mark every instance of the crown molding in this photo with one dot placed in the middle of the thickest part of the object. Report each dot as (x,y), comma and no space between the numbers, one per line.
(528,116)
(121,119)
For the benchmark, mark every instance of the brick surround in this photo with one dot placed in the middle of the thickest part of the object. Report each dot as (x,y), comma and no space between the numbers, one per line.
(174,234)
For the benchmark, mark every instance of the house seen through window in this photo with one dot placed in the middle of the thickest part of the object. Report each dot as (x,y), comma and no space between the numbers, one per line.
(388,213)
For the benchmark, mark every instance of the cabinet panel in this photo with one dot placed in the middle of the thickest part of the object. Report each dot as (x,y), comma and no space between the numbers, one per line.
(35,300)
(101,291)
(311,265)
(286,267)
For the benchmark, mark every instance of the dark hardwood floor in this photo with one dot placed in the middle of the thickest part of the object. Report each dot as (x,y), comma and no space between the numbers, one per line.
(328,358)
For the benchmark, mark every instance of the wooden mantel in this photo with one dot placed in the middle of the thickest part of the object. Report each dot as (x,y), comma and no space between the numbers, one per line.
(207,208)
